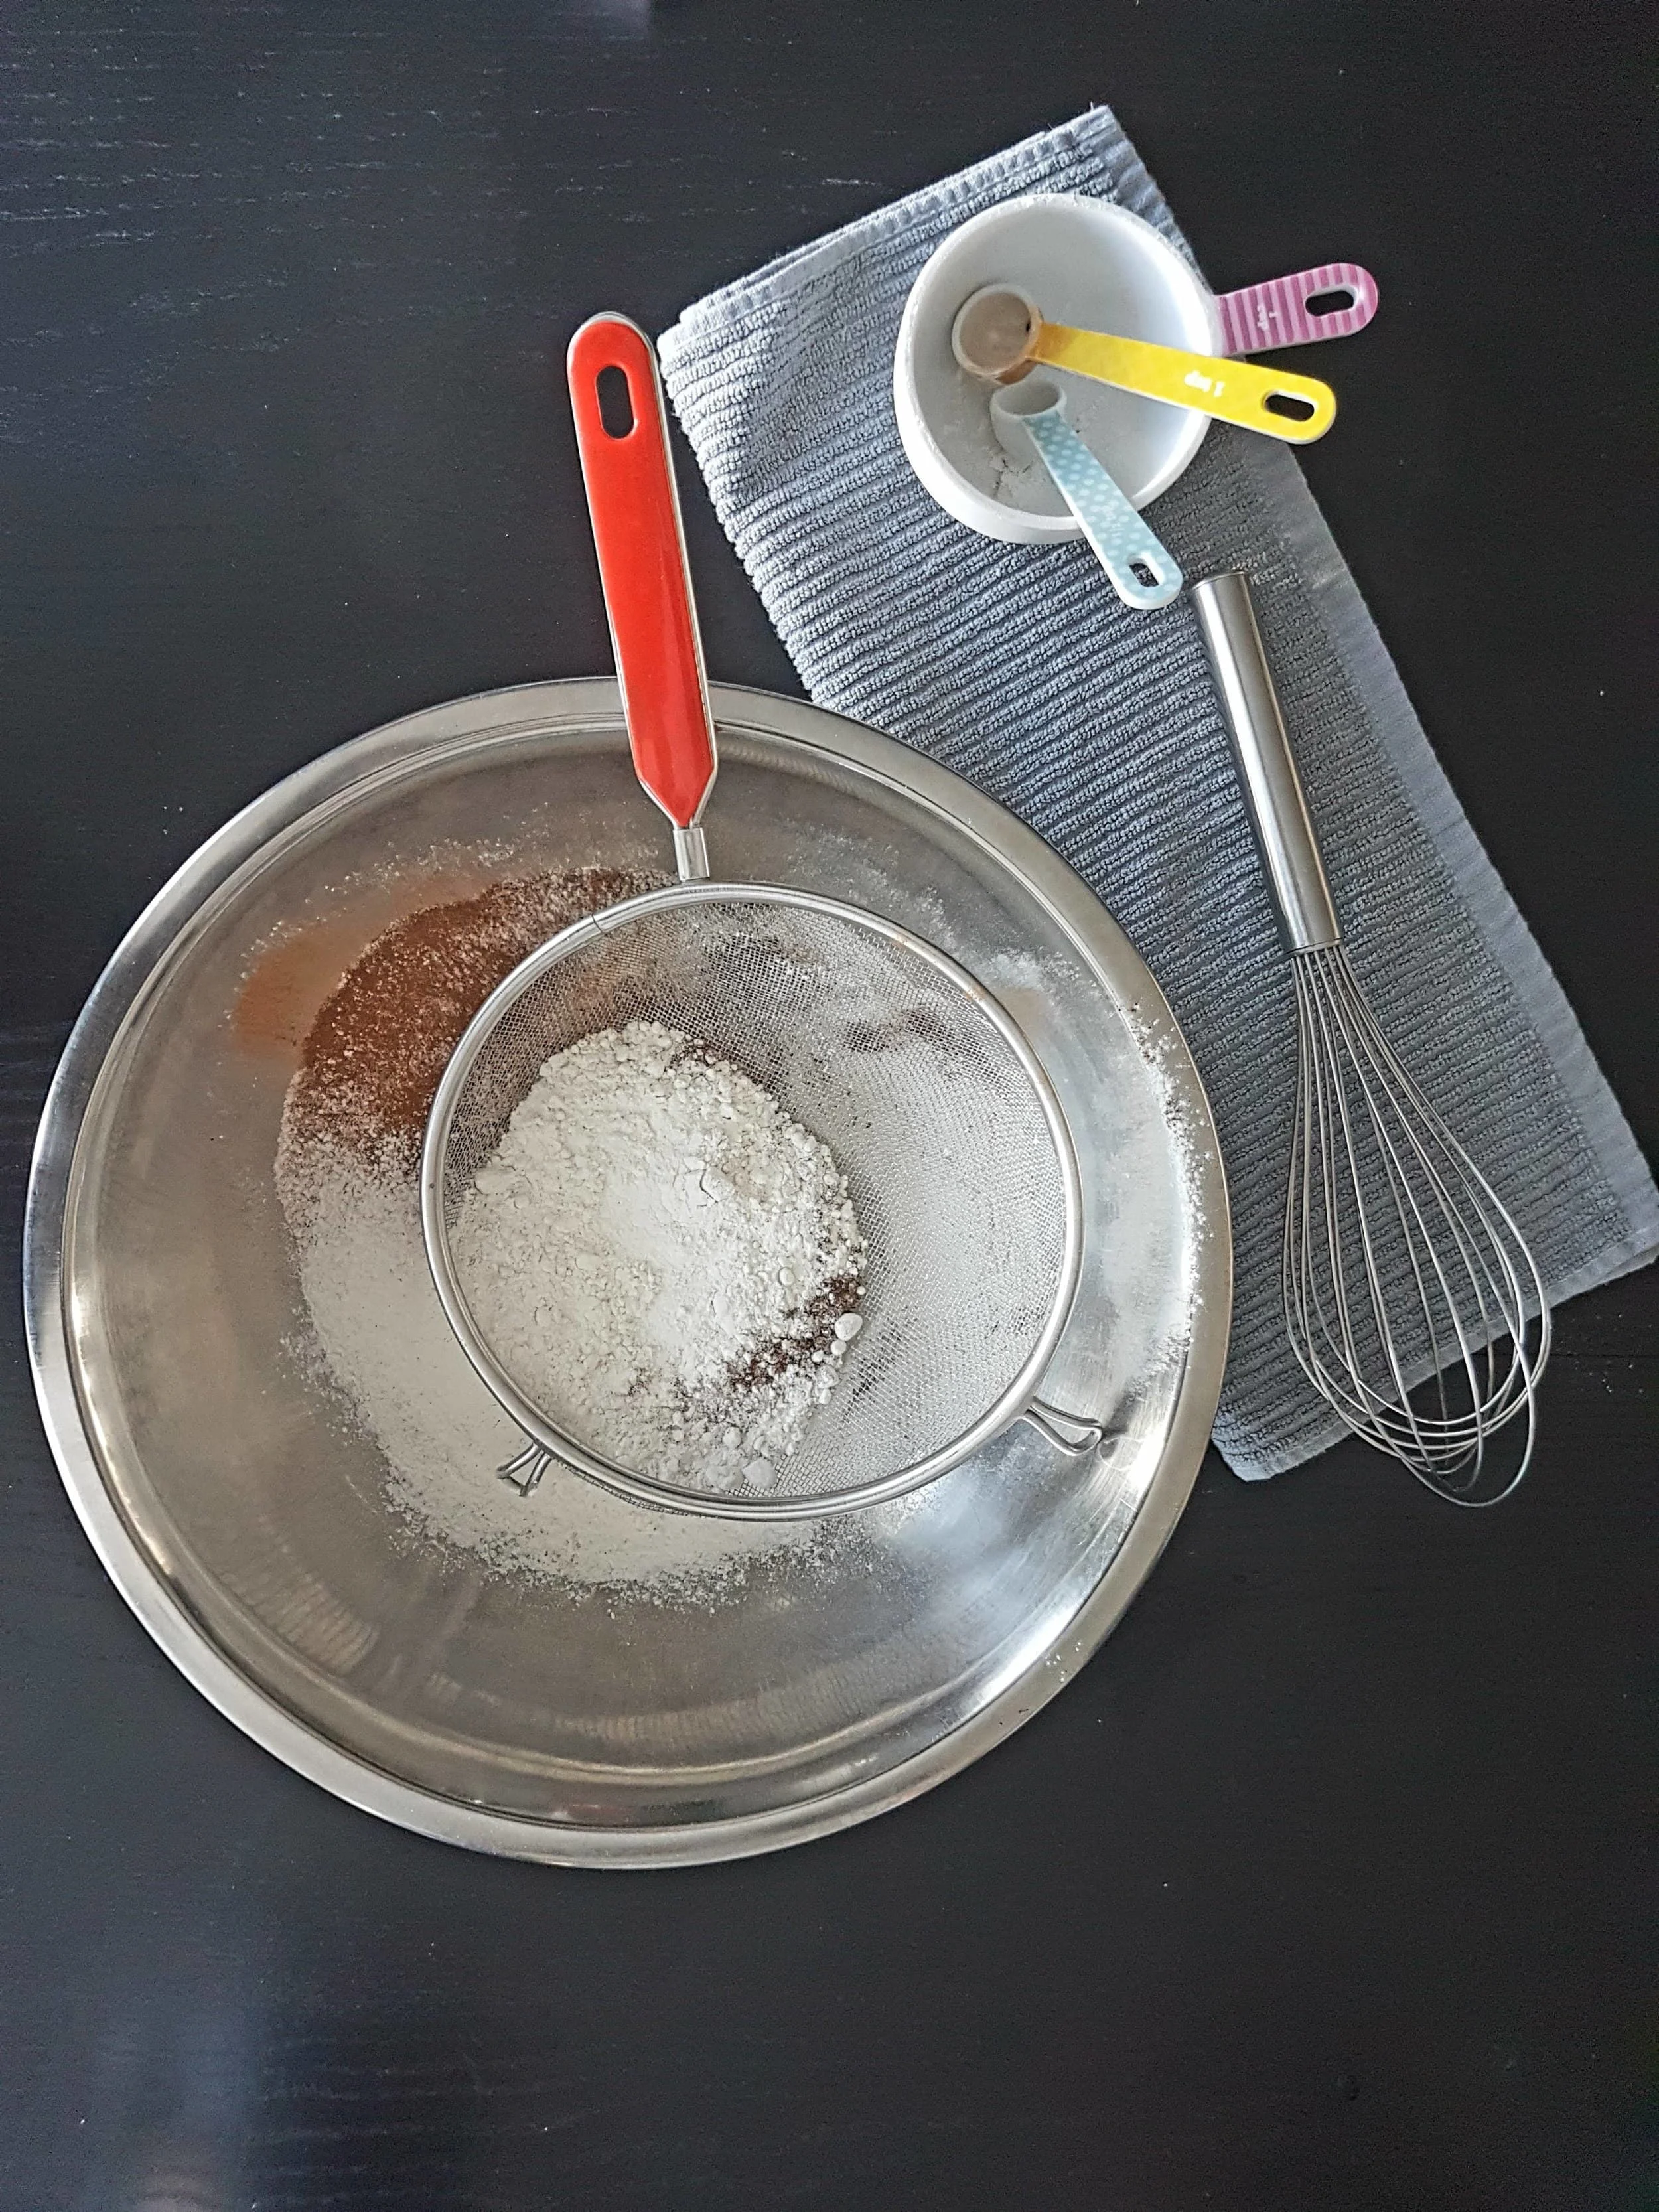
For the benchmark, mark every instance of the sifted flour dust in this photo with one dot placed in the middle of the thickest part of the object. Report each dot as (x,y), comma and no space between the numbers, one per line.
(665,1261)
(346,1177)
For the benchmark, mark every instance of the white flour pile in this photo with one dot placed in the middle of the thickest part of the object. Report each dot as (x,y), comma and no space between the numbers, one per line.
(663,1259)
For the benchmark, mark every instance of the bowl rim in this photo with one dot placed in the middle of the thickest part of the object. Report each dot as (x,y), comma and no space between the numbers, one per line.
(137,964)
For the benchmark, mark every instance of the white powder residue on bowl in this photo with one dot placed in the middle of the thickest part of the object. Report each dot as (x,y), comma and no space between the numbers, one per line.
(662,1260)
(346,1174)
(383,1341)
(1143,1201)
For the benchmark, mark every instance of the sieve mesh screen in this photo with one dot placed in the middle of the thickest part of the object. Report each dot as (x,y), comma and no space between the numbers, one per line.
(905,1069)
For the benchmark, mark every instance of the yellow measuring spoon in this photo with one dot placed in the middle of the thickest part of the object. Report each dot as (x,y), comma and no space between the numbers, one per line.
(1000,334)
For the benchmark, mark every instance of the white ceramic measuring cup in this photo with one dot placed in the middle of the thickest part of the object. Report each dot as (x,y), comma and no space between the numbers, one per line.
(1096,267)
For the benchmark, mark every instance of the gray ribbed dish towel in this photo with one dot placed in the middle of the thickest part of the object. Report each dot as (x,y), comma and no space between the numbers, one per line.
(1017,667)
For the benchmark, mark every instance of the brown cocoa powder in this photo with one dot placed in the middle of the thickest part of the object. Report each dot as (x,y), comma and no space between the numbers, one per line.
(374,1053)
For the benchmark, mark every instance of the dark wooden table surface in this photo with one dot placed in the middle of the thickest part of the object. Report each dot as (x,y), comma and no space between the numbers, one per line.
(1328,1885)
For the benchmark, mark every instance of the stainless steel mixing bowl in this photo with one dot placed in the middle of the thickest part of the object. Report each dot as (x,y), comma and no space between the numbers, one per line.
(245,1522)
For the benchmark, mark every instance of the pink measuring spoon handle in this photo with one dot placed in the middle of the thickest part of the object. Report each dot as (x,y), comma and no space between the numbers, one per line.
(1281,313)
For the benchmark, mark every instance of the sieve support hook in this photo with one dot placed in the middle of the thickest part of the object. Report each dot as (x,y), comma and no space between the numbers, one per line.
(1087,1435)
(530,1464)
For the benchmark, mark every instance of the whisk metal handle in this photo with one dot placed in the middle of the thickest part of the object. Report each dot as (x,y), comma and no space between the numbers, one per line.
(1266,767)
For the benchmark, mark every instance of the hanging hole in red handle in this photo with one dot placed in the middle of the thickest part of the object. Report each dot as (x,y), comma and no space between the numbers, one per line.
(1335,302)
(616,401)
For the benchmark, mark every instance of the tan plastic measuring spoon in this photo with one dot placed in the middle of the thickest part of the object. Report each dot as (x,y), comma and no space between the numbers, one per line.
(1001,334)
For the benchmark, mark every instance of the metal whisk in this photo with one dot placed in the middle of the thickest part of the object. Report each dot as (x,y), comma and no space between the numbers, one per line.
(1411,1300)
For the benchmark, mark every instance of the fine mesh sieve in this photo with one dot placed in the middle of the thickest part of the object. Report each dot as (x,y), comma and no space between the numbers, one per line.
(953,1144)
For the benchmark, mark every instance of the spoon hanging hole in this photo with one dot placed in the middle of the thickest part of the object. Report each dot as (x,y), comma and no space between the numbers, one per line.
(1335,302)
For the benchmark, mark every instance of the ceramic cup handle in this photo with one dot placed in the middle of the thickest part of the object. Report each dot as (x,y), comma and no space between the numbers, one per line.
(1331,301)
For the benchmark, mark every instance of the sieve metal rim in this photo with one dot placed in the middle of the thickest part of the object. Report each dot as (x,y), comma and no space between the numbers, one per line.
(1010,1405)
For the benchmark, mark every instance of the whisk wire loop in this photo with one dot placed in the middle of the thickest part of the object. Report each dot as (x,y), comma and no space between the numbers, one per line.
(1405,1276)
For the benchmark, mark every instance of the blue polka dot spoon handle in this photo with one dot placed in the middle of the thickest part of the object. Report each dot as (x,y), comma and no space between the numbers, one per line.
(1143,572)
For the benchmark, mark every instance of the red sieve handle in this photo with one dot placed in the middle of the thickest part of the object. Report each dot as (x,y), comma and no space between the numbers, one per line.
(640,542)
